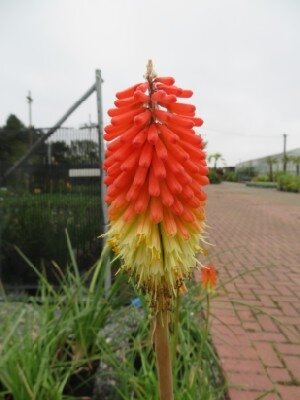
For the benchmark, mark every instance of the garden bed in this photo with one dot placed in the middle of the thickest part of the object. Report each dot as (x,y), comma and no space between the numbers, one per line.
(263,185)
(48,339)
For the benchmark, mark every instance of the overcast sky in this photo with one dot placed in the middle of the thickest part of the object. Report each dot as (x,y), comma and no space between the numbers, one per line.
(240,57)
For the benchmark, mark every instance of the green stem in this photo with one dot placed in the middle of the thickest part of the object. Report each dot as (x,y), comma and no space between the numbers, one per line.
(207,313)
(176,328)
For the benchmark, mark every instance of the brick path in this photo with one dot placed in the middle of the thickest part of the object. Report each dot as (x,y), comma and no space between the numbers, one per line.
(256,329)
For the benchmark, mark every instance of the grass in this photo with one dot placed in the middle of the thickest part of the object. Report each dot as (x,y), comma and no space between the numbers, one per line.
(54,334)
(196,370)
(47,339)
(30,367)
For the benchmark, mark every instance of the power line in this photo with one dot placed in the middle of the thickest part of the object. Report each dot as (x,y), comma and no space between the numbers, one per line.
(231,133)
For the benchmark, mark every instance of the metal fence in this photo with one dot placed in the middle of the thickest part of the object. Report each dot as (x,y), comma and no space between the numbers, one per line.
(56,185)
(59,188)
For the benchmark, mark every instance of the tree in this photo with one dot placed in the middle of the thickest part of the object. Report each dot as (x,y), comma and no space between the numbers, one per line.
(296,160)
(84,152)
(216,157)
(59,151)
(13,124)
(13,139)
(270,162)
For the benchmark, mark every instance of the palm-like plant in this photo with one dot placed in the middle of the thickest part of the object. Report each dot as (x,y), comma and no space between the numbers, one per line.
(271,161)
(215,157)
(296,161)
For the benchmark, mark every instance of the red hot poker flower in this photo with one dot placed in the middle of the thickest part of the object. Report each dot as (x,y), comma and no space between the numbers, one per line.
(155,166)
(208,278)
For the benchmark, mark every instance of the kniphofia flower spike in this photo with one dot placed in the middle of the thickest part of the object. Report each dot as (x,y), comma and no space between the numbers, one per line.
(156,168)
(208,278)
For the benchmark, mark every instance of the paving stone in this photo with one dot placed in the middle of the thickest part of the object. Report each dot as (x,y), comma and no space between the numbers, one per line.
(267,337)
(267,354)
(240,365)
(256,235)
(251,326)
(236,394)
(250,381)
(288,348)
(267,324)
(280,375)
(289,392)
(293,364)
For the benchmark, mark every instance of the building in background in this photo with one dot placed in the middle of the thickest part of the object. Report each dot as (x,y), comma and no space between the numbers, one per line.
(261,165)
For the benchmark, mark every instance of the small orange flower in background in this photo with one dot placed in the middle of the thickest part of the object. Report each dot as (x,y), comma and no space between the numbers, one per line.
(155,169)
(209,278)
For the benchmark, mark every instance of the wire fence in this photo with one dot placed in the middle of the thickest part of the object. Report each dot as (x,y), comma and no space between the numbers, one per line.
(58,188)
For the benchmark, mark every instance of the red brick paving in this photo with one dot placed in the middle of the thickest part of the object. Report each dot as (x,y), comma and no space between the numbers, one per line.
(256,329)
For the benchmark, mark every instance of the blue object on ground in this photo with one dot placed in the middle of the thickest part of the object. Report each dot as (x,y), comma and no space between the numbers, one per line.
(136,302)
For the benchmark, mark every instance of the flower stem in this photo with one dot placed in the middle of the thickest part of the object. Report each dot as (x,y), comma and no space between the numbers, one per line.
(176,328)
(163,356)
(207,313)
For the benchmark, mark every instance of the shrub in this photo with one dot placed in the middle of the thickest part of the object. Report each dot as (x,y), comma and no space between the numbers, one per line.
(288,183)
(260,178)
(278,175)
(231,176)
(214,177)
(267,185)
(54,336)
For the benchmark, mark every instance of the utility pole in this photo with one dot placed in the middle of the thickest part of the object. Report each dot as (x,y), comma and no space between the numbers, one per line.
(42,139)
(30,100)
(284,153)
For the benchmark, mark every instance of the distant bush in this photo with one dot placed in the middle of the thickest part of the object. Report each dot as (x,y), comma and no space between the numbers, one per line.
(231,176)
(288,183)
(266,185)
(214,177)
(260,178)
(277,175)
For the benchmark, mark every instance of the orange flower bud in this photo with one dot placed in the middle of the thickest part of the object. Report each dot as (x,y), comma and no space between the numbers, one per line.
(208,278)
